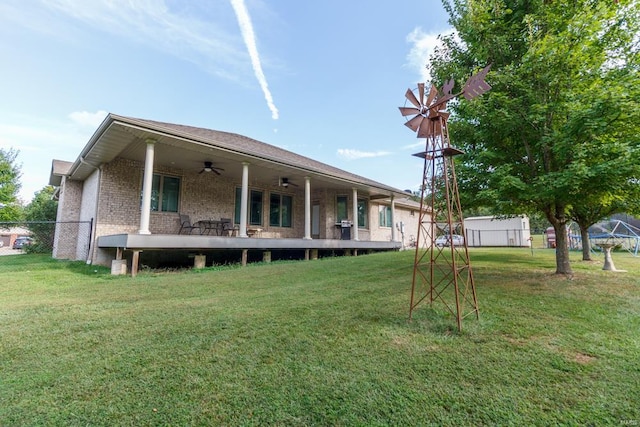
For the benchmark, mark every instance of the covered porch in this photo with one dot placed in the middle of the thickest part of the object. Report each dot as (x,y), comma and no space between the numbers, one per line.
(137,180)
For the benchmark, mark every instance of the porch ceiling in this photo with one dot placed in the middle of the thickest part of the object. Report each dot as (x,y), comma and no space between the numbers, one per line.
(187,148)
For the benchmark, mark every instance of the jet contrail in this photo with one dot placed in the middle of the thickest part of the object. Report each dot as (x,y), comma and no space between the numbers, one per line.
(250,40)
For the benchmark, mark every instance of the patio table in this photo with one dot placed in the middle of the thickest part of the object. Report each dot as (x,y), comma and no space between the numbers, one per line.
(208,225)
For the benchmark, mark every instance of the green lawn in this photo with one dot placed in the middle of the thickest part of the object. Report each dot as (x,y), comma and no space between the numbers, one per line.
(322,342)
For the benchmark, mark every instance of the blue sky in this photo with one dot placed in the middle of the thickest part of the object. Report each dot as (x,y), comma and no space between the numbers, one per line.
(322,79)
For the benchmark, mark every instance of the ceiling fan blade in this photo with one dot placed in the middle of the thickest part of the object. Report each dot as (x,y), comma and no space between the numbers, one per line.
(414,123)
(407,111)
(284,182)
(412,98)
(216,171)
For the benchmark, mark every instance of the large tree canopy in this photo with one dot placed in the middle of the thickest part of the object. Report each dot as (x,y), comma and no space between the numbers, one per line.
(10,210)
(43,207)
(558,132)
(40,213)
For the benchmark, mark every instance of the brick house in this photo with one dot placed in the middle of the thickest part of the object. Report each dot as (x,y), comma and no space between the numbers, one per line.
(135,179)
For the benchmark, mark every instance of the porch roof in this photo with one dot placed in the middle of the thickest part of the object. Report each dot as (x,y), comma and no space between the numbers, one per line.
(187,148)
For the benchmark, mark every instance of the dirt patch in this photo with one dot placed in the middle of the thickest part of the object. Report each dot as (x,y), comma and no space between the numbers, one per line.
(584,359)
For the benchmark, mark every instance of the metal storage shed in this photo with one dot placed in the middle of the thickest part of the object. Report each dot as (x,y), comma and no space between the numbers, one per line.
(496,231)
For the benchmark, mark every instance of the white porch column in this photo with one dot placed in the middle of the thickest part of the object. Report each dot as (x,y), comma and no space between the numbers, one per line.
(147,184)
(393,219)
(307,208)
(244,201)
(355,214)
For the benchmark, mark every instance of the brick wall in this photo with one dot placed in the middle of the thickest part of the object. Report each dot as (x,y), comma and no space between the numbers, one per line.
(65,240)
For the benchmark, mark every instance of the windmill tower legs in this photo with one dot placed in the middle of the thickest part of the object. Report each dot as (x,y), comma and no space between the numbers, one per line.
(442,269)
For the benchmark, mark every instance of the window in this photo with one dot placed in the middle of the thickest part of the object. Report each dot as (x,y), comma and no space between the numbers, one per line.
(363,213)
(255,207)
(280,210)
(165,193)
(385,216)
(341,208)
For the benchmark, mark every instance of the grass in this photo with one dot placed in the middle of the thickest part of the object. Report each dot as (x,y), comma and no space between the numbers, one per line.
(324,342)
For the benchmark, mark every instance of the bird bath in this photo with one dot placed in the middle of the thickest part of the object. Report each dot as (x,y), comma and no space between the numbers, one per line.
(608,261)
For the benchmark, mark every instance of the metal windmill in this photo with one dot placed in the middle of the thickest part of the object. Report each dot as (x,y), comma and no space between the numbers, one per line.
(442,270)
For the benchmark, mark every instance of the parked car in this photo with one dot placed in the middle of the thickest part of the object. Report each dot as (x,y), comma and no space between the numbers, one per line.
(446,240)
(21,242)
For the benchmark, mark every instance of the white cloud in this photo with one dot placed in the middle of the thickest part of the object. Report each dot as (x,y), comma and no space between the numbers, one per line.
(422,46)
(420,144)
(38,135)
(198,33)
(187,32)
(85,118)
(244,20)
(350,154)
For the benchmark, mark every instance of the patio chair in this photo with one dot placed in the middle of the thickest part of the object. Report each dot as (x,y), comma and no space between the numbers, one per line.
(185,224)
(227,226)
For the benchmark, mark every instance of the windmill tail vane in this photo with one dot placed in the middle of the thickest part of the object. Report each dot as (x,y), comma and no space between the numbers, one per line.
(475,85)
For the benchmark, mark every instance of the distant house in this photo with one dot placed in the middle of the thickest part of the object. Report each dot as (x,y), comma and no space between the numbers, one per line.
(494,231)
(9,235)
(136,179)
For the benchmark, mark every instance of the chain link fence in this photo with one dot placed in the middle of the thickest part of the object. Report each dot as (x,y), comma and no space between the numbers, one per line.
(69,239)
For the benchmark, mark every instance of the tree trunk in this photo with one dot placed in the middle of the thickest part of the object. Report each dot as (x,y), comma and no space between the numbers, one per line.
(562,249)
(555,213)
(586,244)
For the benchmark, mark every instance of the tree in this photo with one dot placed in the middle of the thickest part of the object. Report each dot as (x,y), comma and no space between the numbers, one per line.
(41,215)
(564,97)
(616,193)
(10,209)
(611,185)
(43,207)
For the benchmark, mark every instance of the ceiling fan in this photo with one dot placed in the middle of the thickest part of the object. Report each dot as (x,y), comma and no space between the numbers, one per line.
(284,182)
(208,167)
